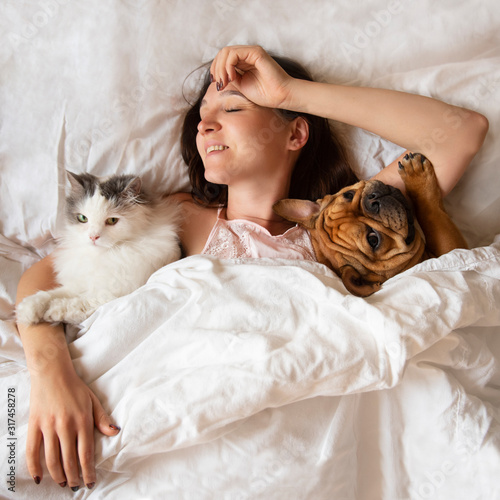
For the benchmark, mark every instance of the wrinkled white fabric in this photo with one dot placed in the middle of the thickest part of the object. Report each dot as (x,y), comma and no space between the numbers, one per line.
(222,357)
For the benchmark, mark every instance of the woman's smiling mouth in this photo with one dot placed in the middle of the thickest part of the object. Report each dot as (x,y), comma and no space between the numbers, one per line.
(218,147)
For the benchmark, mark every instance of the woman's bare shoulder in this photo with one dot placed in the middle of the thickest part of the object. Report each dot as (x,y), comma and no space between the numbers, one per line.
(189,205)
(180,197)
(197,223)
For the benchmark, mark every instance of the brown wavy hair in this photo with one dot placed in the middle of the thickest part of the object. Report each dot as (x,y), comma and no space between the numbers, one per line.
(322,167)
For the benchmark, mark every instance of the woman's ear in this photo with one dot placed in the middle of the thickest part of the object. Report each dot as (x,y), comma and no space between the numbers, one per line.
(300,133)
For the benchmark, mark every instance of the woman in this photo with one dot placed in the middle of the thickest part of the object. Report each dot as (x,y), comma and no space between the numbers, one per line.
(239,144)
(251,155)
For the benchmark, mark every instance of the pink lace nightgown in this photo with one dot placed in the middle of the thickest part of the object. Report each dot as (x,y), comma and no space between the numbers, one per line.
(244,239)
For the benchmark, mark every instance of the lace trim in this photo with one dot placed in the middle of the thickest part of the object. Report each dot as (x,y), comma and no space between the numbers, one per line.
(233,239)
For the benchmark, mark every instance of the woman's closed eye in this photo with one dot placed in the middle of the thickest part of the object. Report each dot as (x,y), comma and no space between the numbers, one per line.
(232,110)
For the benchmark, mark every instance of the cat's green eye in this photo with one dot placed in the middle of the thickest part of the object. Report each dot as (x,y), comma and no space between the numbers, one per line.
(111,221)
(82,218)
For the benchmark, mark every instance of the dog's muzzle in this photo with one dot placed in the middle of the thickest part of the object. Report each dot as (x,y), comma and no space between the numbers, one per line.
(388,205)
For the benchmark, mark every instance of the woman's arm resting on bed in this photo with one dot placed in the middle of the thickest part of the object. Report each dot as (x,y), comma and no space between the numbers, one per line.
(447,135)
(63,410)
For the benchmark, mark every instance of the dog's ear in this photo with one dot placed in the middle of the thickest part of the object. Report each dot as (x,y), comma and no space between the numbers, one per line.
(357,284)
(304,212)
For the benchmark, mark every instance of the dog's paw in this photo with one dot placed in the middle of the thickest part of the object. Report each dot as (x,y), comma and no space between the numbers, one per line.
(72,310)
(31,309)
(419,177)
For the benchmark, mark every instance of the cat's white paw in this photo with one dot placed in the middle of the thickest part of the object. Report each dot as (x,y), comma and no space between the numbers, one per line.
(31,309)
(72,310)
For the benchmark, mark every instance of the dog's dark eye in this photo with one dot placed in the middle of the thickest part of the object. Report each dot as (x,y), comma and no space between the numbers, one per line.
(373,239)
(349,195)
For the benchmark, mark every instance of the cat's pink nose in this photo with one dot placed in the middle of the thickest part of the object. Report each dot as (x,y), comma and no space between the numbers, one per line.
(94,238)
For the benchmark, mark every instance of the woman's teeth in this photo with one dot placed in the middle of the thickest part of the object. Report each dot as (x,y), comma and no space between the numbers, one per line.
(216,148)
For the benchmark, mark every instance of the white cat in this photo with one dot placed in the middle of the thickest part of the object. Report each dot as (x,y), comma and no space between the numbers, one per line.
(114,238)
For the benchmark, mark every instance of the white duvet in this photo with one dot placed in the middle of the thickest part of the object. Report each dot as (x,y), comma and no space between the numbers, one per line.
(264,375)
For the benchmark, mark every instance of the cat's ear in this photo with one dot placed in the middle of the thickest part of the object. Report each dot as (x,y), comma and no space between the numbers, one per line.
(75,181)
(134,186)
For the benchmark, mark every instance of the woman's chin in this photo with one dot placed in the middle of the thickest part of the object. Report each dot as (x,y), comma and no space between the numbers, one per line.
(217,177)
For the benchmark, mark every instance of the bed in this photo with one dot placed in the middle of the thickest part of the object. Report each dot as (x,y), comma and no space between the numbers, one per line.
(255,379)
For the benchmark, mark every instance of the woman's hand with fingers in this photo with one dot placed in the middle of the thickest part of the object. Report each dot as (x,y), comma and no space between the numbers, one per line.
(254,73)
(63,413)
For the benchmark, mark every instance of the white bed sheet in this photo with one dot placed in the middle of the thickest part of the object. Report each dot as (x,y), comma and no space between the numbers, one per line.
(97,87)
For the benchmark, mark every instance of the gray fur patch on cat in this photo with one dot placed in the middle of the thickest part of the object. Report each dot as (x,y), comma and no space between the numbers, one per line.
(122,191)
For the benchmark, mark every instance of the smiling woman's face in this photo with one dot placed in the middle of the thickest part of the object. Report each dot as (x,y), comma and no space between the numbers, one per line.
(238,140)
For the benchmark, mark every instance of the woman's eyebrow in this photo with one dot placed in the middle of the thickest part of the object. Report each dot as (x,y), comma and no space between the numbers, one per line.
(225,93)
(233,92)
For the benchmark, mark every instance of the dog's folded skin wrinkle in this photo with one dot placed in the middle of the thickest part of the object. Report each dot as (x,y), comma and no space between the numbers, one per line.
(341,226)
(411,232)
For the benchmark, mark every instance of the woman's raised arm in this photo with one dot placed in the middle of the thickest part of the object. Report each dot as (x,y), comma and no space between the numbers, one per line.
(449,136)
(63,410)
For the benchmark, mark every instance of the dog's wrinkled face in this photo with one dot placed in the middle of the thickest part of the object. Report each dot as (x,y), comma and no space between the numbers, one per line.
(365,233)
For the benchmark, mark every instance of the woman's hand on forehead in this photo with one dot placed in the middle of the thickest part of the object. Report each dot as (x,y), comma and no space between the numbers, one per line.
(254,73)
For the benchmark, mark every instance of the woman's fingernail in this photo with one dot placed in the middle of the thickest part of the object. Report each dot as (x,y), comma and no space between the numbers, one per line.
(75,488)
(36,479)
(211,78)
(221,84)
(115,428)
(90,485)
(63,484)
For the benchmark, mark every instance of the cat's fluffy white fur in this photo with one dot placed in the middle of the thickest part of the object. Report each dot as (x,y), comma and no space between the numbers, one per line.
(100,259)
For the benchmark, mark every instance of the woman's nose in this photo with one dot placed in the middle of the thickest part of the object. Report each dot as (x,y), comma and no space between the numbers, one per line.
(208,124)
